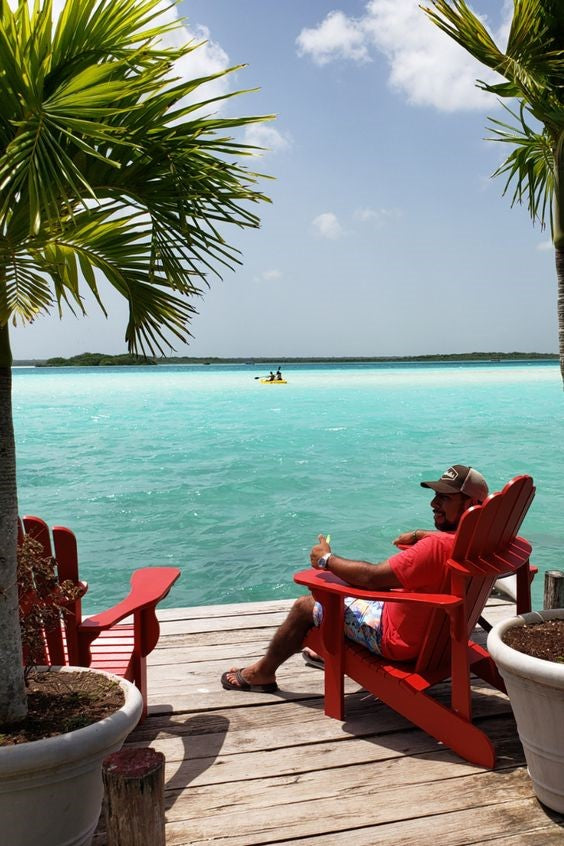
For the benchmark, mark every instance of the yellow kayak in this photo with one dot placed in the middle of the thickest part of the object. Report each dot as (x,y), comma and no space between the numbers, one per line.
(273,381)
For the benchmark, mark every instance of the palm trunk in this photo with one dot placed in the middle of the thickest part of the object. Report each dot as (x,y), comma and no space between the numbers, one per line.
(559,251)
(558,238)
(13,704)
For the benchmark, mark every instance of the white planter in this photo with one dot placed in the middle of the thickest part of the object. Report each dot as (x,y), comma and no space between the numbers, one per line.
(51,790)
(536,690)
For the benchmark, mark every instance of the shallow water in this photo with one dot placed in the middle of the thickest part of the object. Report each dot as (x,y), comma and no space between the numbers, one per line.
(204,468)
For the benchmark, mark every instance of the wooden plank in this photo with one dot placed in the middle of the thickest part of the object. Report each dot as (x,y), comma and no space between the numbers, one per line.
(261,607)
(256,726)
(198,652)
(196,687)
(324,802)
(245,769)
(225,610)
(212,760)
(213,618)
(244,627)
(223,624)
(409,786)
(458,828)
(206,646)
(183,640)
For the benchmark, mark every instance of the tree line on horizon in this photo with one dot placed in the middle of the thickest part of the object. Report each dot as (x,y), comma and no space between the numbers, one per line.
(88,359)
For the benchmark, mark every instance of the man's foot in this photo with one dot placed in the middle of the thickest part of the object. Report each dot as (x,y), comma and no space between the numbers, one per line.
(312,659)
(251,682)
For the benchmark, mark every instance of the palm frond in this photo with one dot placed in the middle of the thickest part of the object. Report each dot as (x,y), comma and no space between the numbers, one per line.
(126,252)
(532,62)
(105,170)
(457,20)
(529,167)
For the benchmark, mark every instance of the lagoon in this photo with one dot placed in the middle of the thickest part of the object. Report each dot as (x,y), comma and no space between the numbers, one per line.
(204,468)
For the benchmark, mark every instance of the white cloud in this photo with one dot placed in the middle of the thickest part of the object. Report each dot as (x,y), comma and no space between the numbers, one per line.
(272,275)
(328,226)
(260,135)
(338,36)
(426,65)
(545,245)
(377,216)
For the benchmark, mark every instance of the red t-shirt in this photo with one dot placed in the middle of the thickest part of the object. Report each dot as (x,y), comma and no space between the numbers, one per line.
(419,569)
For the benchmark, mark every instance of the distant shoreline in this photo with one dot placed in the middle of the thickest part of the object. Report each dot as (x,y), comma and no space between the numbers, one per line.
(104,360)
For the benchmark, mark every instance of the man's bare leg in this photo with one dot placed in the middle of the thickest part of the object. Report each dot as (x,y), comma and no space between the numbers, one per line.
(287,640)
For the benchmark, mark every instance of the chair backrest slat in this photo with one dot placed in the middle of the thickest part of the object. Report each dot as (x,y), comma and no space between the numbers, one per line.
(66,553)
(486,547)
(61,645)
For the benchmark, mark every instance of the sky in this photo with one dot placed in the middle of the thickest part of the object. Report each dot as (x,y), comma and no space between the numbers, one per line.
(386,235)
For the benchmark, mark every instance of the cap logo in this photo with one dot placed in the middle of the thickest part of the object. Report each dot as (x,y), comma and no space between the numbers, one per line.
(450,474)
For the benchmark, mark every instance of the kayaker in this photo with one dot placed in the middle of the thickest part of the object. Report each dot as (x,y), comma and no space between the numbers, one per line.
(279,375)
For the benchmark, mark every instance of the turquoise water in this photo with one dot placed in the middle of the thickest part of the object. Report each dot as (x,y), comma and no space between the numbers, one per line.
(204,468)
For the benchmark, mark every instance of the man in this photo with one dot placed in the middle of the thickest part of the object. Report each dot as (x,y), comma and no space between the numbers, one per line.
(392,629)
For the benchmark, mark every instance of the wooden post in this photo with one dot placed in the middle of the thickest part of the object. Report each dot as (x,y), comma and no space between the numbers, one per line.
(554,589)
(134,797)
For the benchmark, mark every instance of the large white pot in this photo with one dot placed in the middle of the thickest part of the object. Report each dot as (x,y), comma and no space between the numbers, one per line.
(51,790)
(536,691)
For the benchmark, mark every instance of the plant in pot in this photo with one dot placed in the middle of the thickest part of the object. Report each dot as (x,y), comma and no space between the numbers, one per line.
(52,760)
(112,173)
(529,653)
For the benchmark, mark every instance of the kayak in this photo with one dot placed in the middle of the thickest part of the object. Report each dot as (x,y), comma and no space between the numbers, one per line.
(273,381)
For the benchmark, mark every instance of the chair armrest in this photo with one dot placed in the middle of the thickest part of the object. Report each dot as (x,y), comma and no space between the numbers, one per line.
(148,587)
(322,581)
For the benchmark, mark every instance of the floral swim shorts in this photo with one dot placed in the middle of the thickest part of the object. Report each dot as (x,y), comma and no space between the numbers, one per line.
(363,621)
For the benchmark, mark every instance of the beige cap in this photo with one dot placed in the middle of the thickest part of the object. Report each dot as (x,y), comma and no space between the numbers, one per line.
(460,479)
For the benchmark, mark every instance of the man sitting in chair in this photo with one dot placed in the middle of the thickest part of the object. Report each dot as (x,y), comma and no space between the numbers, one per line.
(388,629)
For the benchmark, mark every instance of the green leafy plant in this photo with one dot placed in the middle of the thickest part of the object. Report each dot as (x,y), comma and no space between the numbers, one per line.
(114,170)
(531,68)
(43,600)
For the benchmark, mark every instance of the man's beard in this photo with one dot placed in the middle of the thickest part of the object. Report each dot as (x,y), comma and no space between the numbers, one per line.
(445,525)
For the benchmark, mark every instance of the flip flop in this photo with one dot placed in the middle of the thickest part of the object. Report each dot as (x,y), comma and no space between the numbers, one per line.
(243,684)
(313,660)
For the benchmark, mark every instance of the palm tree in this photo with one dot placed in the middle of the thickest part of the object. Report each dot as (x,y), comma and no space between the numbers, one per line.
(108,170)
(532,66)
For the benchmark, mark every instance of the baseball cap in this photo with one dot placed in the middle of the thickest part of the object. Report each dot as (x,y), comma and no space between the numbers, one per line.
(460,479)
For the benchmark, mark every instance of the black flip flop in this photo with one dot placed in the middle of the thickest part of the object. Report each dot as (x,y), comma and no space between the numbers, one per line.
(243,684)
(313,660)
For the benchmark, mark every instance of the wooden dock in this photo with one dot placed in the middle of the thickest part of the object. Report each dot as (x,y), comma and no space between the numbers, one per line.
(247,769)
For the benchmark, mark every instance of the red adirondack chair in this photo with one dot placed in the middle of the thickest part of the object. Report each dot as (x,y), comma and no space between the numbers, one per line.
(103,641)
(486,547)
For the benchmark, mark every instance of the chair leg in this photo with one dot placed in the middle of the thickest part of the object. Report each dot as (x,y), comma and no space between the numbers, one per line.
(487,670)
(335,688)
(333,674)
(139,678)
(463,737)
(442,723)
(332,637)
(487,627)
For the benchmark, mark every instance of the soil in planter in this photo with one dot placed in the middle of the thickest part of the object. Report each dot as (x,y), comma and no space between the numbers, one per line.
(62,702)
(541,640)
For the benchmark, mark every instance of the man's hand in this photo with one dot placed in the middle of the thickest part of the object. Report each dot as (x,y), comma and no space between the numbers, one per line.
(321,548)
(409,538)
